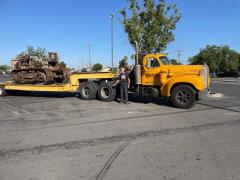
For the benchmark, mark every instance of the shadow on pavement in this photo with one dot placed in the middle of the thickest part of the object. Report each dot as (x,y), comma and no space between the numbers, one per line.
(146,100)
(43,94)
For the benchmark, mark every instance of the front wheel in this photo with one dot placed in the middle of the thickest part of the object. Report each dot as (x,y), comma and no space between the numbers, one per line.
(183,96)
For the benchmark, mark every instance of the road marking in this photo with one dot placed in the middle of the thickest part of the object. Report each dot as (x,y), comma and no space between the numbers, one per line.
(15,112)
(215,95)
(230,80)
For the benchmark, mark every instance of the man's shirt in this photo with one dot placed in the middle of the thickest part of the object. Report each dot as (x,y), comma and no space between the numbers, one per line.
(123,78)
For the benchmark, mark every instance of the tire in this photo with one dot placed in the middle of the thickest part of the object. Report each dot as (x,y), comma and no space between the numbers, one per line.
(114,94)
(95,85)
(106,92)
(87,91)
(2,91)
(183,96)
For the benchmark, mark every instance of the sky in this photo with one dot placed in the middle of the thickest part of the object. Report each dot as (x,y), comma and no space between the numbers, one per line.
(69,26)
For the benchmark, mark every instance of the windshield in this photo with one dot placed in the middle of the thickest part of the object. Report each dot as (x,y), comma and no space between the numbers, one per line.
(164,60)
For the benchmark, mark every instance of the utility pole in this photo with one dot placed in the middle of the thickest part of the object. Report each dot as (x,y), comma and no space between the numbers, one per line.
(82,61)
(178,56)
(79,65)
(89,55)
(112,55)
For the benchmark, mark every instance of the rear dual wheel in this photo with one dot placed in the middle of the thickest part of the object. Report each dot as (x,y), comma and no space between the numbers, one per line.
(88,91)
(106,92)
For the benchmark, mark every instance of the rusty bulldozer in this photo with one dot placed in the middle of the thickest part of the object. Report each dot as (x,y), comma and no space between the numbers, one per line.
(34,70)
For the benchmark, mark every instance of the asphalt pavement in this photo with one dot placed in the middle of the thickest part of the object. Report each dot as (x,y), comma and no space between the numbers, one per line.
(227,86)
(63,137)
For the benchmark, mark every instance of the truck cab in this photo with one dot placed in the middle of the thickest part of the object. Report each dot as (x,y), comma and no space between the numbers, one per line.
(154,75)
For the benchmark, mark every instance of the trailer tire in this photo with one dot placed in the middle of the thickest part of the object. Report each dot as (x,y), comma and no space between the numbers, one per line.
(106,92)
(183,96)
(2,91)
(87,91)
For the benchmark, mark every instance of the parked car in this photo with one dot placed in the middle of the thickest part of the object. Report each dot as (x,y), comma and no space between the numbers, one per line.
(235,74)
(213,75)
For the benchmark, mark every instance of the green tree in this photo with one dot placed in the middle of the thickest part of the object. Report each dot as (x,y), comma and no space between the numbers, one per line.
(133,58)
(40,52)
(115,69)
(123,62)
(63,64)
(218,58)
(151,24)
(84,70)
(239,62)
(4,67)
(97,67)
(175,62)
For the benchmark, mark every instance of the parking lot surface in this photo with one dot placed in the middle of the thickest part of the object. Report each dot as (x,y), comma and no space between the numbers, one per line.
(59,137)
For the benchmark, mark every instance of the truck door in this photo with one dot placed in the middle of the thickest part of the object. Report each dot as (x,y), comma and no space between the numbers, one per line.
(151,69)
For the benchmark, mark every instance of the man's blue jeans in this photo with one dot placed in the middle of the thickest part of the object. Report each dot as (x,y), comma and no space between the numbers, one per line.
(124,92)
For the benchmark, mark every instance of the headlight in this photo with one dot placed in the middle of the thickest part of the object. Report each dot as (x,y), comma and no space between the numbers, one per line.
(205,74)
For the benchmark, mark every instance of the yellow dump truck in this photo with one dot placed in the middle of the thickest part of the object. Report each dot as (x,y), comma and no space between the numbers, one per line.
(152,75)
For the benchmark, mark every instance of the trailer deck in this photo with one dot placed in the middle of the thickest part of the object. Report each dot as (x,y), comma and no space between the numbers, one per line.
(71,86)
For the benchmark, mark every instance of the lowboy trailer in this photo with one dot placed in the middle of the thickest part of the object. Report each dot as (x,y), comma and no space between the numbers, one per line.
(89,85)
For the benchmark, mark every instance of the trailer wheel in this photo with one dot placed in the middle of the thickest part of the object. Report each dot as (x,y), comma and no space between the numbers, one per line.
(2,91)
(183,96)
(87,91)
(106,92)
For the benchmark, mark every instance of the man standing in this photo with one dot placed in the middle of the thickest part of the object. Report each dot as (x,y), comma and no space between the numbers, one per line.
(124,82)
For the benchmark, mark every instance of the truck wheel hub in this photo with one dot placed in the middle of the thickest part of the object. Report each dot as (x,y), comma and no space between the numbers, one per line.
(183,97)
(86,91)
(105,92)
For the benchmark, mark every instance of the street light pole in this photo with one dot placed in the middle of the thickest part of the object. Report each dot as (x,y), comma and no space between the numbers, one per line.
(89,55)
(112,55)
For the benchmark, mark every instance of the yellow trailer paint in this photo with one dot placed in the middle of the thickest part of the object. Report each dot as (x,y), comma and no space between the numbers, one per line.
(72,85)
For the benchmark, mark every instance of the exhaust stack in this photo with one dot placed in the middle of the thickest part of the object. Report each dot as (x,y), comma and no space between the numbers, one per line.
(138,68)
